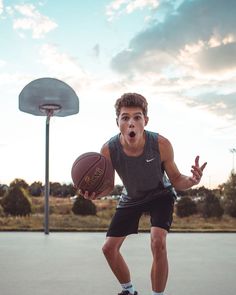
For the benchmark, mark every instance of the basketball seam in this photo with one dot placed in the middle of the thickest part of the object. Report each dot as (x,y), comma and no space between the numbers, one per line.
(102,179)
(87,170)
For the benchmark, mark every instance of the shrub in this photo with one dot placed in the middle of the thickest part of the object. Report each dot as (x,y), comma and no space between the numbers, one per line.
(1,211)
(16,202)
(210,206)
(20,183)
(36,189)
(83,206)
(186,207)
(230,195)
(3,189)
(230,207)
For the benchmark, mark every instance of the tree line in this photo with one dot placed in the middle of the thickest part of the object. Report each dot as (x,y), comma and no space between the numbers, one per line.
(209,203)
(15,198)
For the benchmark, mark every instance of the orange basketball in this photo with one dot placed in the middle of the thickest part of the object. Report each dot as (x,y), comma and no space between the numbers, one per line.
(92,172)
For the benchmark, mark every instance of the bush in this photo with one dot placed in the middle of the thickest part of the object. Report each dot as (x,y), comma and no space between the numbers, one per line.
(210,206)
(1,211)
(36,189)
(3,189)
(20,183)
(186,207)
(83,206)
(230,207)
(230,195)
(16,202)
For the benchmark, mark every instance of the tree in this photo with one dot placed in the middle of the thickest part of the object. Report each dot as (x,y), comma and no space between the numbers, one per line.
(16,202)
(36,189)
(55,189)
(229,191)
(210,206)
(186,207)
(67,190)
(3,189)
(20,183)
(71,190)
(84,206)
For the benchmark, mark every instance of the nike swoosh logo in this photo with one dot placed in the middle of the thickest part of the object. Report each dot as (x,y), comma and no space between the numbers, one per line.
(150,160)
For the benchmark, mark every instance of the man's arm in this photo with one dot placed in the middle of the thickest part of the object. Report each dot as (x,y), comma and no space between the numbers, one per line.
(178,180)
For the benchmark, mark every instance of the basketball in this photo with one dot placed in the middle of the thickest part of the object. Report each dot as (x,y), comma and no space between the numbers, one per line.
(92,172)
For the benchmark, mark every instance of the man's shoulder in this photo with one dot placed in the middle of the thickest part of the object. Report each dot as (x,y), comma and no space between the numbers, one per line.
(110,143)
(165,147)
(160,138)
(163,139)
(105,151)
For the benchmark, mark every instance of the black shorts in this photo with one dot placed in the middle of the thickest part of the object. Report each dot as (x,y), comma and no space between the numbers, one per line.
(126,220)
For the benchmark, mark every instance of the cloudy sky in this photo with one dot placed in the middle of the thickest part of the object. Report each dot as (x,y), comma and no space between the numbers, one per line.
(181,55)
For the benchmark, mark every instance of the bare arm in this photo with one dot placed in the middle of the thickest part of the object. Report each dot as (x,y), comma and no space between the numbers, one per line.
(178,180)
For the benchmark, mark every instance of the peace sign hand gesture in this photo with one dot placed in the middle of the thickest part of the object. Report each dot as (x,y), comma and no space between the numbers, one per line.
(197,171)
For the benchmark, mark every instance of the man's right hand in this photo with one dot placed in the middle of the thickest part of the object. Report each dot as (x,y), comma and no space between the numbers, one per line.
(87,195)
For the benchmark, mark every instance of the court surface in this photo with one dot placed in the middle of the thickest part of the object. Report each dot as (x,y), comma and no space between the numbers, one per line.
(73,264)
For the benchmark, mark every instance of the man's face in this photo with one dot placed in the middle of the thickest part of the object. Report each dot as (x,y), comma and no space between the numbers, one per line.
(131,122)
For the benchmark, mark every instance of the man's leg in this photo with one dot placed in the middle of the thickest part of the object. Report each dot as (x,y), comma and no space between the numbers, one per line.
(111,250)
(159,271)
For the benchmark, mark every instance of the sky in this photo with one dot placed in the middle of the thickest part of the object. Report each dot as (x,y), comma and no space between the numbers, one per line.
(180,55)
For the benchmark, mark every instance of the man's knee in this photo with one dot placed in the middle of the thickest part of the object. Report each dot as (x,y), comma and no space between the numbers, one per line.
(108,249)
(158,242)
(111,247)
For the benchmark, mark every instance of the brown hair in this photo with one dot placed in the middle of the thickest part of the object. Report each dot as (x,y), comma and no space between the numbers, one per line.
(131,100)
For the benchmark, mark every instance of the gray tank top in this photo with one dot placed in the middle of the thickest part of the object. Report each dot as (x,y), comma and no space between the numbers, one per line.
(142,176)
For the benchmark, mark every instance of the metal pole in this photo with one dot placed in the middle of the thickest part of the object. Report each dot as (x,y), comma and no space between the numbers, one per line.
(233,160)
(47,186)
(233,151)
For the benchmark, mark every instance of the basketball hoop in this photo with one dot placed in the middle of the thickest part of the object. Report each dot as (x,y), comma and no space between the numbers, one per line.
(50,109)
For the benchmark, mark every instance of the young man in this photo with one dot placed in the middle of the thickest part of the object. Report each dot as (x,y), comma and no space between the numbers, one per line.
(142,159)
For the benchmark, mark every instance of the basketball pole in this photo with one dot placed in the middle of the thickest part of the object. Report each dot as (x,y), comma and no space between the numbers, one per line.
(47,185)
(50,97)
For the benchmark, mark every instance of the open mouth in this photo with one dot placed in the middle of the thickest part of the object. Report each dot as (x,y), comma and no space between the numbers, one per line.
(132,134)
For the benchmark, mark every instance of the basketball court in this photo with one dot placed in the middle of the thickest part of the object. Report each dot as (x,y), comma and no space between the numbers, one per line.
(73,264)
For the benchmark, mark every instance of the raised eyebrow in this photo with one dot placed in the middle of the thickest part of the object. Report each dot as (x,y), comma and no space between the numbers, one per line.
(135,114)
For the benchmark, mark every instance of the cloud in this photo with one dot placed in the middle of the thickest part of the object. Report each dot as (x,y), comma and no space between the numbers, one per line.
(192,23)
(26,17)
(140,4)
(216,59)
(119,7)
(18,79)
(63,66)
(190,54)
(1,6)
(221,104)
